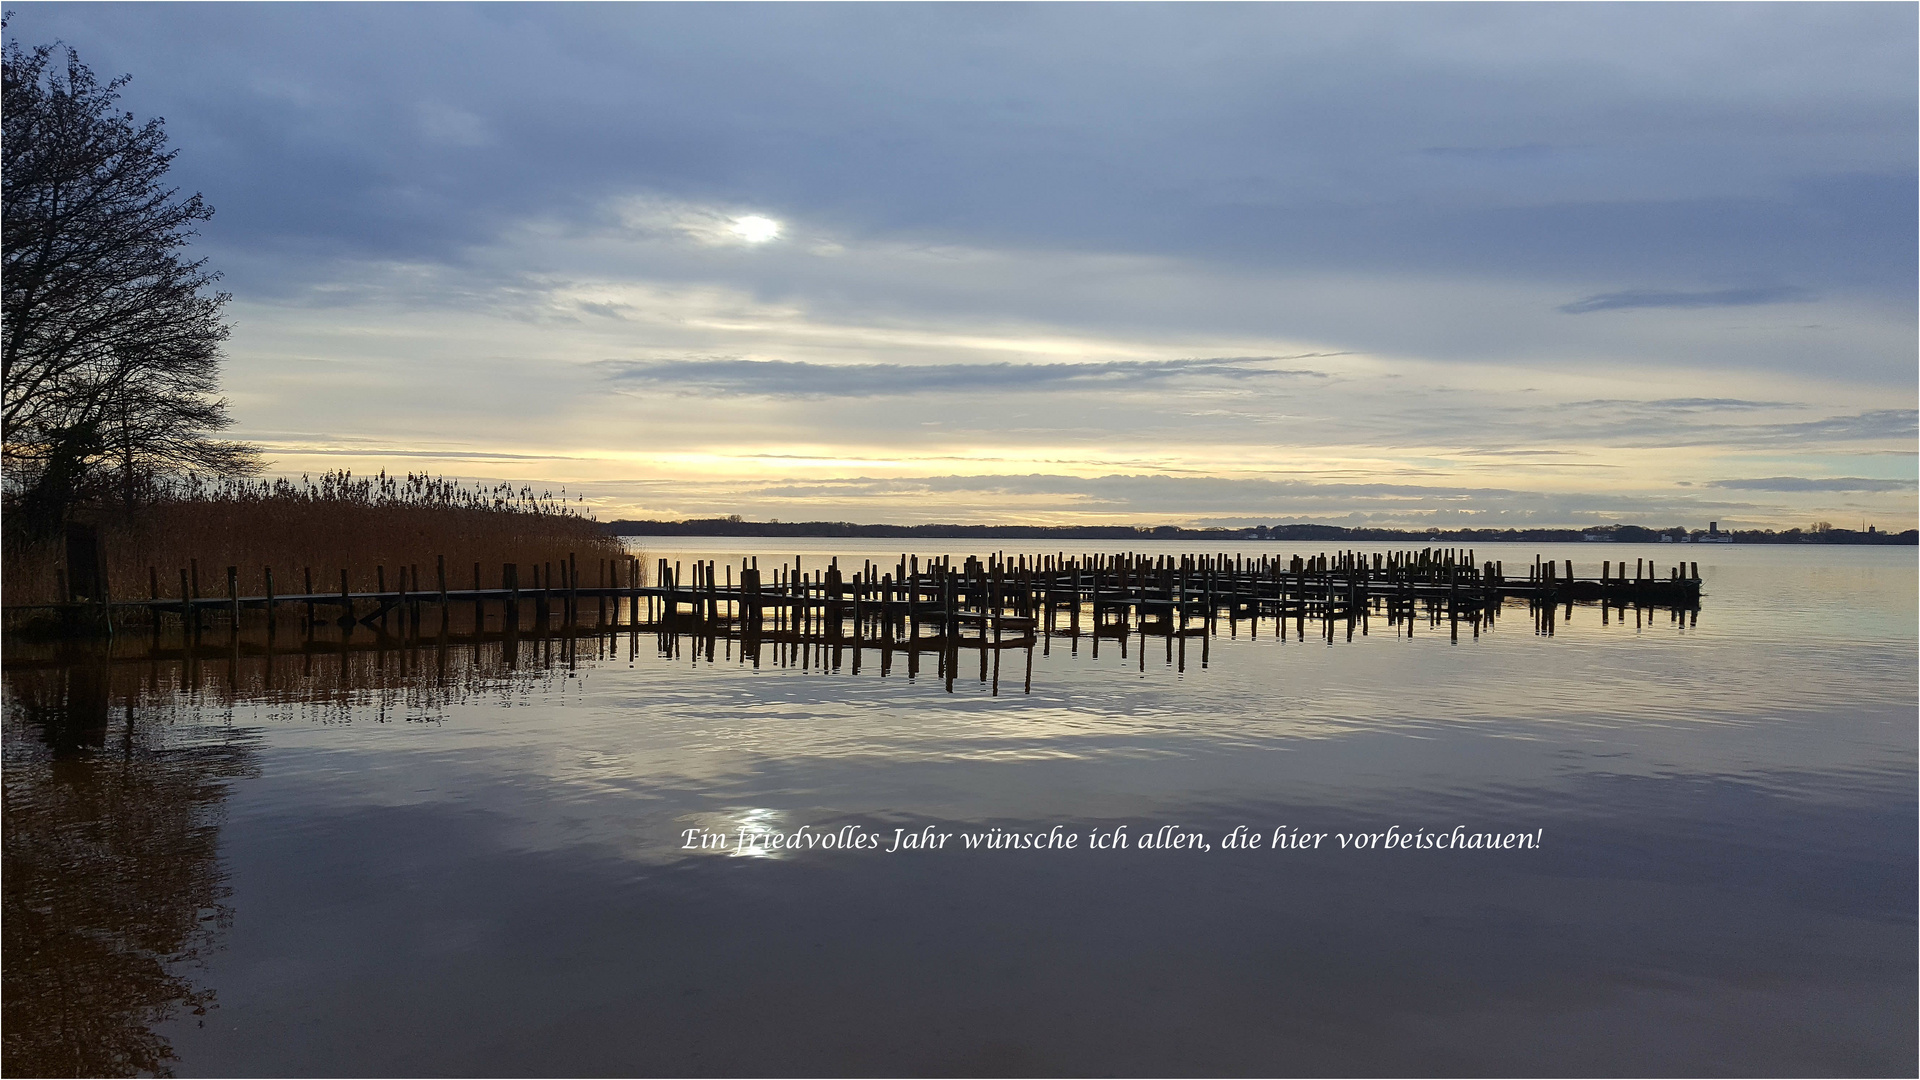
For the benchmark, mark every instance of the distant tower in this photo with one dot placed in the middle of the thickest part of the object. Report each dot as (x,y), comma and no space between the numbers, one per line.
(1713,528)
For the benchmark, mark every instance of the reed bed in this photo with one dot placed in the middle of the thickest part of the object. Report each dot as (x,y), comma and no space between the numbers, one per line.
(362,525)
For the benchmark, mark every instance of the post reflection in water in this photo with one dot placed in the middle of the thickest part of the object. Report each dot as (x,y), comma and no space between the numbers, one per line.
(113,883)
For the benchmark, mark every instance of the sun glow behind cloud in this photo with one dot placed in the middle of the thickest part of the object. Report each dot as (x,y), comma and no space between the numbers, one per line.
(755,229)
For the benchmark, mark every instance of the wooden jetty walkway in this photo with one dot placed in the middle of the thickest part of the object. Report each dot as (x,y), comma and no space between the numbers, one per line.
(918,616)
(975,603)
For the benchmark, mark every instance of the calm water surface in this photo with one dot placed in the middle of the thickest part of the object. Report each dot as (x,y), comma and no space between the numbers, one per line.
(426,862)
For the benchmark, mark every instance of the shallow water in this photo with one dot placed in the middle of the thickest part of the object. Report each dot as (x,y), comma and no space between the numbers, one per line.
(437,863)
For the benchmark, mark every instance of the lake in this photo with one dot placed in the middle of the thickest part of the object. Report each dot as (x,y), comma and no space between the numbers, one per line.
(440,861)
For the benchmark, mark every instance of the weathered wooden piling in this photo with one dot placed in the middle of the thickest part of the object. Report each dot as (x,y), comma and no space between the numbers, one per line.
(510,585)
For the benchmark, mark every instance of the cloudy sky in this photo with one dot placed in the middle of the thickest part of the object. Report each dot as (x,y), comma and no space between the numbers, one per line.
(1405,265)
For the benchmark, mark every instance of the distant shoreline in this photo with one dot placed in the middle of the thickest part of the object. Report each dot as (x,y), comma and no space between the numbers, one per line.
(1631,534)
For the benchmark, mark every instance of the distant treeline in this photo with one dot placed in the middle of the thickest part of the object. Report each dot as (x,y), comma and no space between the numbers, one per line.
(1627,534)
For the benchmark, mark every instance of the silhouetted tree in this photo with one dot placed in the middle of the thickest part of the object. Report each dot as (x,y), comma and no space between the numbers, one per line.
(111,338)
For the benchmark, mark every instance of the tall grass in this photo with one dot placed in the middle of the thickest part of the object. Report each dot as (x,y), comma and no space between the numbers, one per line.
(338,522)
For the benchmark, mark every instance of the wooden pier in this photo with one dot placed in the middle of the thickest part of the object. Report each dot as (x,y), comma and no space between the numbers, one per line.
(970,603)
(924,613)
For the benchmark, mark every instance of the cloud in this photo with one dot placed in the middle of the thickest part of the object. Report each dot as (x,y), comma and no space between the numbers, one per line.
(1713,140)
(1877,424)
(1675,422)
(799,379)
(453,127)
(1490,153)
(710,226)
(1693,404)
(1814,483)
(1143,499)
(1666,298)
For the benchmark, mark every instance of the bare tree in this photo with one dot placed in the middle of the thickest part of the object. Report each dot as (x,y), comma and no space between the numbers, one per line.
(111,339)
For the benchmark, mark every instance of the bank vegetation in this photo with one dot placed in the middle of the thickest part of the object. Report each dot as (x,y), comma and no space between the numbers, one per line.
(362,525)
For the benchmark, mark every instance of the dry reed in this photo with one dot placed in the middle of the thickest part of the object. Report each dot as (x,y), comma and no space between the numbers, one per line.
(340,522)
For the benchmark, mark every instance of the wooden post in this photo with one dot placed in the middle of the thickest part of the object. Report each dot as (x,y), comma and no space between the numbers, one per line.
(270,613)
(186,602)
(950,613)
(1073,615)
(401,601)
(614,589)
(750,613)
(233,596)
(543,607)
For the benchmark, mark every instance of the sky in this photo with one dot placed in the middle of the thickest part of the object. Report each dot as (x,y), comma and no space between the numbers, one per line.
(1457,265)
